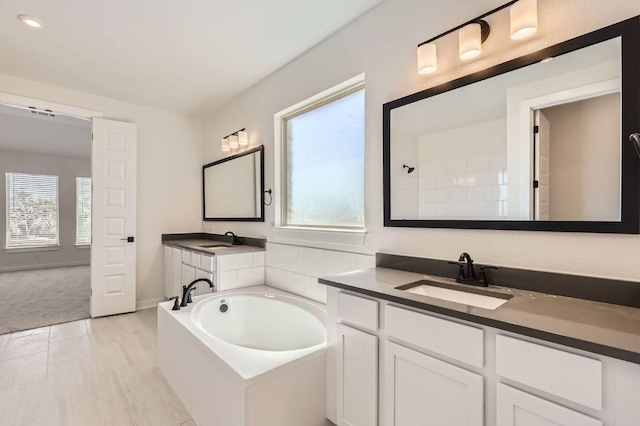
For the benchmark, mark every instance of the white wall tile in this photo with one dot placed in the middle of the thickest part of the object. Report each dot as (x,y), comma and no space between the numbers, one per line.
(297,283)
(457,194)
(446,209)
(404,210)
(433,169)
(499,192)
(479,193)
(446,181)
(437,195)
(312,262)
(271,255)
(258,258)
(250,276)
(287,258)
(404,196)
(489,178)
(489,208)
(366,261)
(228,280)
(229,262)
(427,210)
(428,182)
(317,291)
(337,262)
(468,209)
(275,277)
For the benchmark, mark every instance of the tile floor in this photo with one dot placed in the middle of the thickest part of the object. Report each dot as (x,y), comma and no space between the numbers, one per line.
(100,371)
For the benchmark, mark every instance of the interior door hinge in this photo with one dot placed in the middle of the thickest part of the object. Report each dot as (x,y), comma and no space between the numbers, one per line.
(536,130)
(536,184)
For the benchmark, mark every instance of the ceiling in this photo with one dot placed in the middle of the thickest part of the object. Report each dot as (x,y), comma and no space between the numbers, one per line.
(182,56)
(22,130)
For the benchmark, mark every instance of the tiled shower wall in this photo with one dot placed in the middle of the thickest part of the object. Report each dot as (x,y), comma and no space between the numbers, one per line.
(297,269)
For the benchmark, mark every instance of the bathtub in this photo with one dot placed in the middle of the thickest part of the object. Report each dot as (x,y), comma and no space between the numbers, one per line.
(248,357)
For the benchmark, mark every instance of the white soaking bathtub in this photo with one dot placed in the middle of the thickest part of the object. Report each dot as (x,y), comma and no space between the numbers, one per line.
(248,357)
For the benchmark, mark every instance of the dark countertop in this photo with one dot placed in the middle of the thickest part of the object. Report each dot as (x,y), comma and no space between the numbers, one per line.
(602,328)
(196,244)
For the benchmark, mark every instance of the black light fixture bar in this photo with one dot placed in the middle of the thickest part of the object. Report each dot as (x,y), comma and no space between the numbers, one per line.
(235,133)
(472,21)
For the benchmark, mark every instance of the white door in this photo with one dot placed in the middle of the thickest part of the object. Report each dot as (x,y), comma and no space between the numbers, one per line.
(113,248)
(517,408)
(542,166)
(357,393)
(419,387)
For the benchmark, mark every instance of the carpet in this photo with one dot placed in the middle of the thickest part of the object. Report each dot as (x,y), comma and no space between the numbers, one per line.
(41,297)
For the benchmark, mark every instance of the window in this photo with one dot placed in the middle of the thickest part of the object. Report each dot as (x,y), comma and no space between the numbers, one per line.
(322,161)
(83,211)
(32,210)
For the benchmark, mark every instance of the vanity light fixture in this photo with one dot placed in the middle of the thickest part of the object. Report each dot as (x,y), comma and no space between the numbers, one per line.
(523,19)
(235,140)
(30,21)
(427,58)
(471,37)
(243,138)
(523,15)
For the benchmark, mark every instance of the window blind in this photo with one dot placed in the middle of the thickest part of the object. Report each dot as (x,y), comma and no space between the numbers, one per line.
(32,210)
(83,211)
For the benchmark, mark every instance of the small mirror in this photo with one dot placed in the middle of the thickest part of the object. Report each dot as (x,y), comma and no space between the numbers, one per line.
(233,188)
(536,143)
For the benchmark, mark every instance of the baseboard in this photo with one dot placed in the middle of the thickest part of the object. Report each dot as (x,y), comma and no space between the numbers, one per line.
(43,266)
(150,303)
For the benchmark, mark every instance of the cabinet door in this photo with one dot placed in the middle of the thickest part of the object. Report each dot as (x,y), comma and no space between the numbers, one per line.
(176,279)
(203,287)
(421,390)
(517,408)
(188,274)
(168,272)
(357,377)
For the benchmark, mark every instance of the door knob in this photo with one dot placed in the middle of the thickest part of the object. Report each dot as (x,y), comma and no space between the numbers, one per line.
(128,239)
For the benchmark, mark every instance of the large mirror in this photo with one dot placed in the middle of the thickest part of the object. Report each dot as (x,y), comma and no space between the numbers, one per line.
(539,143)
(233,188)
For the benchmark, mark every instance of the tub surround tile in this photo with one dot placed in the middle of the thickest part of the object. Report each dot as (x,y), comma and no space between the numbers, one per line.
(338,262)
(238,261)
(258,258)
(312,262)
(276,277)
(317,291)
(288,258)
(251,276)
(271,255)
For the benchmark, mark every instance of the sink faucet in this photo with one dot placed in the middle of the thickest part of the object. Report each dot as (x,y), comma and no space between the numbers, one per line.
(187,290)
(469,277)
(466,257)
(236,240)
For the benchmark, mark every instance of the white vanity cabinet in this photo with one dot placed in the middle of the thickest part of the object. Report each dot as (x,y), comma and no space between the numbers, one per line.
(226,271)
(431,369)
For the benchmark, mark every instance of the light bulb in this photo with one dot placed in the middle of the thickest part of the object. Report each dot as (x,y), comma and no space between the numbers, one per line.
(427,58)
(470,41)
(524,19)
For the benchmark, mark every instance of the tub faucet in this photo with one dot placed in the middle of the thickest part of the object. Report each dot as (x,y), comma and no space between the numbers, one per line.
(235,241)
(187,290)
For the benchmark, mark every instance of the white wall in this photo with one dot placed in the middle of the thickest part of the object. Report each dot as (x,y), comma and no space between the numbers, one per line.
(67,169)
(169,171)
(382,44)
(585,159)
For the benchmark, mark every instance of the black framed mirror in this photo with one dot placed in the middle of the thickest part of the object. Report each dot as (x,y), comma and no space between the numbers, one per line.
(538,143)
(232,188)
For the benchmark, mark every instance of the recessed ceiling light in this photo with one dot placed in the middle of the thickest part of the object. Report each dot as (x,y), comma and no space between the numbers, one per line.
(30,21)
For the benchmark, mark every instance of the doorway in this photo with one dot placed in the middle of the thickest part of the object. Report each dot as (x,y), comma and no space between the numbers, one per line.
(45,217)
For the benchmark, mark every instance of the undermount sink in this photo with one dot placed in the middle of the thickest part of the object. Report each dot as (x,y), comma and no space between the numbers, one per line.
(215,246)
(472,296)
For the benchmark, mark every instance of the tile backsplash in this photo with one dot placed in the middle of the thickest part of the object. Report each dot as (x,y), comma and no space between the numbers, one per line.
(297,269)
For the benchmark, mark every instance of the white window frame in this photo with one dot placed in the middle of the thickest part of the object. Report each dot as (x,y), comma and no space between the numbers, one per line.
(78,243)
(309,232)
(26,247)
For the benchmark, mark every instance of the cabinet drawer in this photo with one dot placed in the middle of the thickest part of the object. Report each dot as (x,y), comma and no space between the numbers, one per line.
(195,259)
(564,374)
(207,263)
(515,408)
(448,338)
(358,311)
